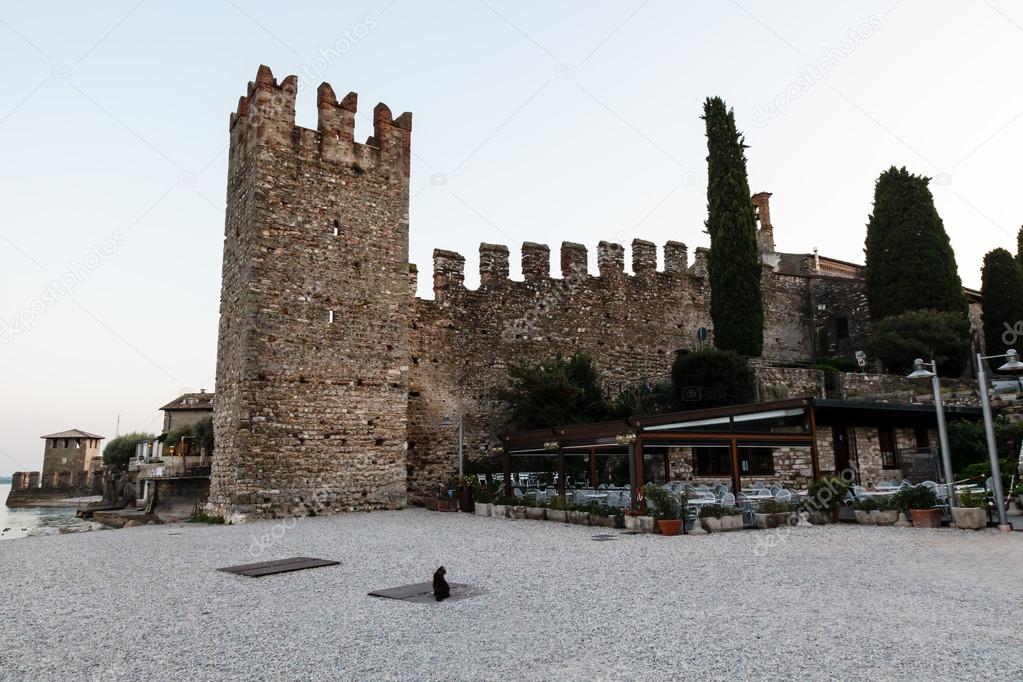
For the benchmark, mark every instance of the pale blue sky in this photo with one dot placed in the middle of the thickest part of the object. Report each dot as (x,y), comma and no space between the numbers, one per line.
(533,121)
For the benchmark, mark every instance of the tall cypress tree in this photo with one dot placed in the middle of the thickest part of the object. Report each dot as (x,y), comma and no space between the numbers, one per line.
(910,263)
(1019,247)
(1002,291)
(736,306)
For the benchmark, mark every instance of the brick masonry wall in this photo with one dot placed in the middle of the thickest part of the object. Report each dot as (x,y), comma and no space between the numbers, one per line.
(313,345)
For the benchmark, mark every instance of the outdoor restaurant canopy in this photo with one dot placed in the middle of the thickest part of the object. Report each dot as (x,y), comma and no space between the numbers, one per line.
(791,422)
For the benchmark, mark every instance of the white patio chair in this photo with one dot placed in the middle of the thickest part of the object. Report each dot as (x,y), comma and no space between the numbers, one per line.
(783,495)
(758,485)
(728,500)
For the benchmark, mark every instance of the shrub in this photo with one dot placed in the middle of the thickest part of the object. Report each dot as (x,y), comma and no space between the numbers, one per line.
(664,504)
(120,450)
(554,392)
(715,511)
(712,378)
(776,507)
(972,500)
(558,503)
(203,517)
(826,493)
(899,339)
(917,497)
(865,504)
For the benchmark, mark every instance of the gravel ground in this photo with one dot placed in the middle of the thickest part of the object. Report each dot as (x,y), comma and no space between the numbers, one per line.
(842,602)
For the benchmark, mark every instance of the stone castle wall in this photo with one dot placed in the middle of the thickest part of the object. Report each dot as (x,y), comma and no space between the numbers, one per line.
(463,341)
(313,343)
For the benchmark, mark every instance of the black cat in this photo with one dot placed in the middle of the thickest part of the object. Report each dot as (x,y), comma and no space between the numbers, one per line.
(441,589)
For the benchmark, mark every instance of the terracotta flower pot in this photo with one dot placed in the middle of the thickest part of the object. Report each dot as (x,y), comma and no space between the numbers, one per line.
(925,518)
(670,526)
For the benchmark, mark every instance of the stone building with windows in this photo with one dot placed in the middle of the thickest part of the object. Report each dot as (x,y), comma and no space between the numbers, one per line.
(72,466)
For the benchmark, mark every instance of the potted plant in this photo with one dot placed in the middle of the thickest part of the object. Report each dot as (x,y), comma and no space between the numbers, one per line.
(534,510)
(823,498)
(465,490)
(666,509)
(599,516)
(484,498)
(557,510)
(630,517)
(862,508)
(579,514)
(773,514)
(445,500)
(499,507)
(887,512)
(971,513)
(717,519)
(919,501)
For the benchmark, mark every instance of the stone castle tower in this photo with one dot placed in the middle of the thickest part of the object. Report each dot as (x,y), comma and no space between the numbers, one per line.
(312,375)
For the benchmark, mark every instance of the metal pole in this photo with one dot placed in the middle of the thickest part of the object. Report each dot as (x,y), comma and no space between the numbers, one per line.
(992,448)
(946,460)
(461,447)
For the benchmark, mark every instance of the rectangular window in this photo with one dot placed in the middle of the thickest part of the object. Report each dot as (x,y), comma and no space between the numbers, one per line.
(65,443)
(712,461)
(842,327)
(886,443)
(756,461)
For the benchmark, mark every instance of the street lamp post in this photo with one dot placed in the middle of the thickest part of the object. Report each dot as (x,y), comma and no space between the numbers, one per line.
(1012,364)
(920,372)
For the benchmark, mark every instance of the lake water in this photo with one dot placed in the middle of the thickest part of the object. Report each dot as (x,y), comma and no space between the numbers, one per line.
(24,520)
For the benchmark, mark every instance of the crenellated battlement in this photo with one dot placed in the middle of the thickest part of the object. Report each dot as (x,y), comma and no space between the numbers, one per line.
(449,266)
(266,116)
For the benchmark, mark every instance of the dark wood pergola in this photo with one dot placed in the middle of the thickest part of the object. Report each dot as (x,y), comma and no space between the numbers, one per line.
(734,426)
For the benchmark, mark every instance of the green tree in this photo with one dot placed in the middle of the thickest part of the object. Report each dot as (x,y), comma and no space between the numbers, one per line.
(899,339)
(644,400)
(554,392)
(120,450)
(201,433)
(712,378)
(910,264)
(734,268)
(1019,247)
(1002,291)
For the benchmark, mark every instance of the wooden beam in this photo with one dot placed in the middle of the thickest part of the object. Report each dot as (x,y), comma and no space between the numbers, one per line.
(561,472)
(506,467)
(815,460)
(637,449)
(736,482)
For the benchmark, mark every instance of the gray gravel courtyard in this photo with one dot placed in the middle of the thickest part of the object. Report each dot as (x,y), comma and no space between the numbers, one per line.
(819,603)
